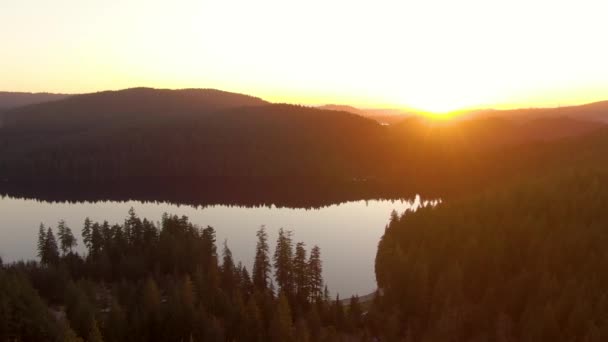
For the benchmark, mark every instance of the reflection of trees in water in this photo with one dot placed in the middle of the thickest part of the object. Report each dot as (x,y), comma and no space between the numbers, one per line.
(296,195)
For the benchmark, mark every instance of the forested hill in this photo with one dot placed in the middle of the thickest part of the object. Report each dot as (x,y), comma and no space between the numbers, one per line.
(10,100)
(146,135)
(168,142)
(130,104)
(596,111)
(493,132)
(524,263)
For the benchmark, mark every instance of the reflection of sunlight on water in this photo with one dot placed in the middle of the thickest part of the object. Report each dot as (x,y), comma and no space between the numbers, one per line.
(348,233)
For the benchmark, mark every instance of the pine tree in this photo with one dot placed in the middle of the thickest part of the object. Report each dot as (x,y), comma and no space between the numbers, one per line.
(246,284)
(51,249)
(228,275)
(326,296)
(300,272)
(96,240)
(208,248)
(67,240)
(261,264)
(283,262)
(42,244)
(315,270)
(86,233)
(106,235)
(134,227)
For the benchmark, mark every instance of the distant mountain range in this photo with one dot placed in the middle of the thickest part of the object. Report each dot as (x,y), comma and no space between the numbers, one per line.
(597,111)
(128,104)
(10,100)
(145,135)
(383,116)
(197,99)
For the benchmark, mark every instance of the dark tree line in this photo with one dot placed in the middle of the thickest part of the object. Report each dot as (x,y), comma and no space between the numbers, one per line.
(146,143)
(167,281)
(523,263)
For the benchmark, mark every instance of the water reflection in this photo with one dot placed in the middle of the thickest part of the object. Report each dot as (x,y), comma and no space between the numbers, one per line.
(348,233)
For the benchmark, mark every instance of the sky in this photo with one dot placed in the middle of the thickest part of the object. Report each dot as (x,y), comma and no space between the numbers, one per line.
(424,54)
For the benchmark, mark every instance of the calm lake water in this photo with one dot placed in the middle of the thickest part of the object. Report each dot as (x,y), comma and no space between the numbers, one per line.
(347,233)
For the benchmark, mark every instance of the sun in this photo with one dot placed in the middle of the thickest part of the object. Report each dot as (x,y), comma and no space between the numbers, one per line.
(438,103)
(439,110)
(438,116)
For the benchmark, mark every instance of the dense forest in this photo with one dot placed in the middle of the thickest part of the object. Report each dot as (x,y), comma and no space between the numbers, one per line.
(199,145)
(514,252)
(141,281)
(522,263)
(10,100)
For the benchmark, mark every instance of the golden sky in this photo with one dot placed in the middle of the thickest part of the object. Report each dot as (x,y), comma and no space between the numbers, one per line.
(426,54)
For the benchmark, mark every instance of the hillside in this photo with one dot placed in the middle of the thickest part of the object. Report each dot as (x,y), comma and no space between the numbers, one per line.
(131,104)
(383,116)
(10,100)
(191,136)
(493,132)
(597,111)
(521,263)
(159,144)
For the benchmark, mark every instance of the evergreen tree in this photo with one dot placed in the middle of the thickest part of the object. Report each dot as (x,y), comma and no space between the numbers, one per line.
(301,272)
(246,284)
(283,262)
(51,250)
(261,263)
(86,233)
(209,250)
(315,273)
(229,274)
(42,254)
(96,240)
(67,240)
(326,296)
(106,236)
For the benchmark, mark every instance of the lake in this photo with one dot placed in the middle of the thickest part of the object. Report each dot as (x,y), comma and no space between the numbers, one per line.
(347,233)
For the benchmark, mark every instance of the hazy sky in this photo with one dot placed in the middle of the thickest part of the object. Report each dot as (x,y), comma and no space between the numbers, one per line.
(427,54)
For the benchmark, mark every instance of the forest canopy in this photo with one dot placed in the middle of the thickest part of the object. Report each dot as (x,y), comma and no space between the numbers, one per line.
(523,263)
(142,281)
